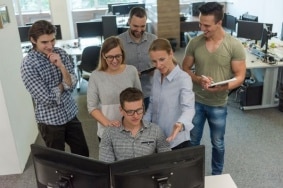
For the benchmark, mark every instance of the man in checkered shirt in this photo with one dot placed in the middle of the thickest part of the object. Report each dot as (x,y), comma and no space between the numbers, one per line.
(48,75)
(135,137)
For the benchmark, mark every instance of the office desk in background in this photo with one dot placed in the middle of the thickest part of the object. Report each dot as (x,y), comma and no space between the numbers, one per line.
(269,75)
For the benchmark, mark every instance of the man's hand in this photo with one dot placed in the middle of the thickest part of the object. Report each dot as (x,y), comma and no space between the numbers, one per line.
(55,59)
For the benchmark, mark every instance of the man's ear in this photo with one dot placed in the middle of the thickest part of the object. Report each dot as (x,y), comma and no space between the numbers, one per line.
(121,110)
(32,40)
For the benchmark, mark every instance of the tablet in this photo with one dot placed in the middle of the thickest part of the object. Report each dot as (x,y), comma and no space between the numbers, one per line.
(223,82)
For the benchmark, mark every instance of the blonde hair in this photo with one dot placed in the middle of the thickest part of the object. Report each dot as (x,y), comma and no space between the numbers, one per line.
(162,44)
(109,44)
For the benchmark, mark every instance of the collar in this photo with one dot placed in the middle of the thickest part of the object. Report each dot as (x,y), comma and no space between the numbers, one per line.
(173,73)
(130,40)
(145,125)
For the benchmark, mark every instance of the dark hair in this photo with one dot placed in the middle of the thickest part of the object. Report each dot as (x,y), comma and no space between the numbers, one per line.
(109,44)
(130,94)
(39,28)
(162,44)
(138,12)
(212,8)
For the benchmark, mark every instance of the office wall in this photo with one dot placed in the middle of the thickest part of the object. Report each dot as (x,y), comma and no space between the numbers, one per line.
(267,11)
(17,127)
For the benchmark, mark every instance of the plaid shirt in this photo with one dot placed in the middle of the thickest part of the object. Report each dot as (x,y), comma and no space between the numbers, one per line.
(41,78)
(118,144)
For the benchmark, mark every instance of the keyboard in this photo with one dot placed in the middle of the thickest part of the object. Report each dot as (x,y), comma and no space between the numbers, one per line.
(258,53)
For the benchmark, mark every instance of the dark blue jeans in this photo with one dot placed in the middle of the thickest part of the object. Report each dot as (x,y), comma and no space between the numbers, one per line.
(216,117)
(71,133)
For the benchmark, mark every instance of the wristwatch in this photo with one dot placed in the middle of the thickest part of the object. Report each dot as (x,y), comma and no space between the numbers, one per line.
(183,127)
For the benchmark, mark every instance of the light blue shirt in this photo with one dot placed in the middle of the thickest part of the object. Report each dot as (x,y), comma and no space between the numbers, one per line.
(172,101)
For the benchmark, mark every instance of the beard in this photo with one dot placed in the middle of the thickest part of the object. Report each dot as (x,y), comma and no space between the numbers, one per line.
(137,34)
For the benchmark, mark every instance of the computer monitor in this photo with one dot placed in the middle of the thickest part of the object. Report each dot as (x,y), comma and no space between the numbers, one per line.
(89,29)
(55,168)
(249,17)
(110,5)
(23,31)
(58,32)
(264,38)
(183,168)
(124,9)
(230,22)
(249,30)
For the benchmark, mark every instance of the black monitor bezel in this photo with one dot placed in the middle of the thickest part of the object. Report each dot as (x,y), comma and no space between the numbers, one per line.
(230,22)
(89,29)
(245,28)
(50,164)
(248,17)
(160,162)
(23,32)
(124,9)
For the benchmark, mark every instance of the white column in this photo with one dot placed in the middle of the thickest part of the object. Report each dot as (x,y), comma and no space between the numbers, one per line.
(61,14)
(18,128)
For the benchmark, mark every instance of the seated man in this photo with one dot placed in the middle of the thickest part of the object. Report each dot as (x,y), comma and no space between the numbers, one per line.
(135,137)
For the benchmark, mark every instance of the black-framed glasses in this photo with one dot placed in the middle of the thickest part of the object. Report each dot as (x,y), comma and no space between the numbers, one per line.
(139,111)
(111,57)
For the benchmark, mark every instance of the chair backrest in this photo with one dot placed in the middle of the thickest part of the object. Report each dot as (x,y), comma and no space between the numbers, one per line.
(90,58)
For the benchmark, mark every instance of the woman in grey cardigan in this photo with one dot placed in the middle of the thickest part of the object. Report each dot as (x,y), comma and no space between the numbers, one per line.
(106,83)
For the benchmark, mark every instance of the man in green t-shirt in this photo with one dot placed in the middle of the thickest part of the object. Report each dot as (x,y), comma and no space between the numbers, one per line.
(216,56)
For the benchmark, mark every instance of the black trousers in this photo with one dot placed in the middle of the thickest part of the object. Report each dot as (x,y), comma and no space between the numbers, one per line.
(70,133)
(183,145)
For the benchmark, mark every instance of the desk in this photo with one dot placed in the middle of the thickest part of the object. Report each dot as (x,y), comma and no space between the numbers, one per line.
(270,74)
(219,181)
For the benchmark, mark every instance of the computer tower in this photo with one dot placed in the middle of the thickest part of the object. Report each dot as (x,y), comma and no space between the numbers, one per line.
(251,94)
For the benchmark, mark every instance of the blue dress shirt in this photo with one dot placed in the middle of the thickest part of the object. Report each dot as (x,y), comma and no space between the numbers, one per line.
(172,101)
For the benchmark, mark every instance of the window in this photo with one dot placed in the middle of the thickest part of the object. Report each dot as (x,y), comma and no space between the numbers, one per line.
(90,4)
(31,6)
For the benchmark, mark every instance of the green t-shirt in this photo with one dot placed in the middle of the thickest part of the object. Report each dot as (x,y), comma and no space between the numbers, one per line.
(216,65)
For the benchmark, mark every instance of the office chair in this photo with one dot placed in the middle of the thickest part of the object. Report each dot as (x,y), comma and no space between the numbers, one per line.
(88,63)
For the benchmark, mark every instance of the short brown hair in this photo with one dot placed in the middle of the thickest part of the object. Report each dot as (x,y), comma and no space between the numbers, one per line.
(39,28)
(212,8)
(130,94)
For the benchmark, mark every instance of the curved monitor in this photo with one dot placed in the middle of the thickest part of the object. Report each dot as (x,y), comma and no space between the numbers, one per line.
(183,168)
(55,168)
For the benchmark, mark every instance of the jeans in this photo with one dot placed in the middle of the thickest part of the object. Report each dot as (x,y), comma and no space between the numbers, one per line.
(216,117)
(71,133)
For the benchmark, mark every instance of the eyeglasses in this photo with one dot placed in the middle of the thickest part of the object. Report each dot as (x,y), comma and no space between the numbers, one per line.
(111,58)
(139,111)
